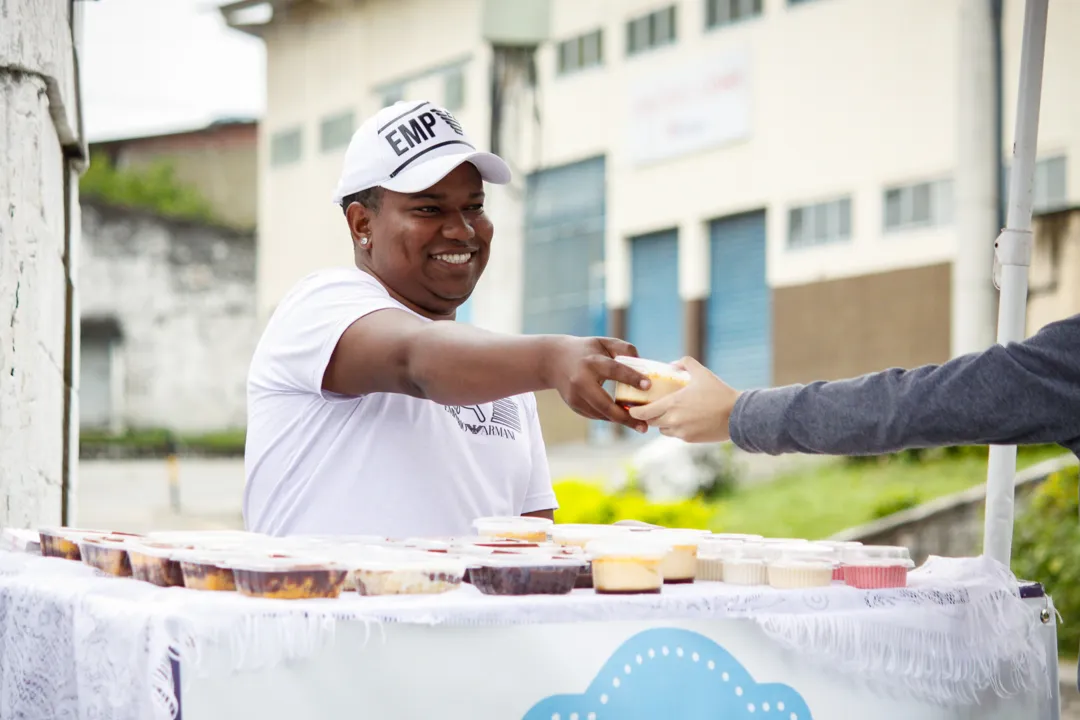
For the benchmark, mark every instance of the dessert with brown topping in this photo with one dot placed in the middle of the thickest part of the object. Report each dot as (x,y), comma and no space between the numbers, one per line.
(664,379)
(288,578)
(526,575)
(107,553)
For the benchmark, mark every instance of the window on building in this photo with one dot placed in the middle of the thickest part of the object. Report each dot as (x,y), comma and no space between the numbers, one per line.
(1050,191)
(651,31)
(798,2)
(926,204)
(454,89)
(726,12)
(581,52)
(285,147)
(336,131)
(819,224)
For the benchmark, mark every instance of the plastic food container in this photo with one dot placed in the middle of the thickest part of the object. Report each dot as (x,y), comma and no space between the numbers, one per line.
(531,529)
(745,565)
(876,566)
(154,563)
(63,542)
(710,558)
(625,566)
(800,565)
(107,553)
(839,546)
(680,562)
(204,570)
(287,578)
(420,576)
(526,575)
(664,379)
(572,535)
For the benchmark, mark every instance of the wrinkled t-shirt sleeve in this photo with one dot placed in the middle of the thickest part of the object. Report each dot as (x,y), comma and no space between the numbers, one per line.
(296,347)
(1023,393)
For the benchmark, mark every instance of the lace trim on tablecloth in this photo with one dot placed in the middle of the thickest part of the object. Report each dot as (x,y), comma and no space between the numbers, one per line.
(78,644)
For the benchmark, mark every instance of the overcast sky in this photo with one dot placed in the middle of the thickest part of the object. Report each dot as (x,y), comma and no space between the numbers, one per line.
(160,65)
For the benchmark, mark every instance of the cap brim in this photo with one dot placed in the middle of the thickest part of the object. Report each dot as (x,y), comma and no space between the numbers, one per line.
(493,169)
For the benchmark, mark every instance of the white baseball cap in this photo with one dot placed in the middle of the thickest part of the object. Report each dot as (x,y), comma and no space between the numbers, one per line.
(408,147)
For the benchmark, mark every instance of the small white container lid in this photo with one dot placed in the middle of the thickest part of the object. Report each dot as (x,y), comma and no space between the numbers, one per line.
(653,367)
(529,561)
(745,551)
(735,536)
(786,563)
(585,532)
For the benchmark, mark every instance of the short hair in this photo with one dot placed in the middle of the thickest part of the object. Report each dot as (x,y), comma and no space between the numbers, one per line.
(370,198)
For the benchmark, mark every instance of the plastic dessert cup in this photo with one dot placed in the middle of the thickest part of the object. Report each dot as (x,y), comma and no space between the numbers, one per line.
(680,562)
(154,563)
(288,578)
(106,553)
(873,567)
(839,545)
(63,542)
(531,529)
(664,379)
(526,575)
(710,558)
(627,566)
(745,565)
(422,576)
(739,537)
(791,573)
(204,570)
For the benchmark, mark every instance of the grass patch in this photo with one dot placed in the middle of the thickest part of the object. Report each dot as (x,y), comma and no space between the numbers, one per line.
(824,500)
(157,441)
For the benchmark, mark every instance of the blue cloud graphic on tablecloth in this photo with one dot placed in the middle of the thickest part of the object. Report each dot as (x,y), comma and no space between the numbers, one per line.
(674,673)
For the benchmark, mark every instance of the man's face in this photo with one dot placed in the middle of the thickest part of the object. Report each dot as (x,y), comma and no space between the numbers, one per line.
(428,247)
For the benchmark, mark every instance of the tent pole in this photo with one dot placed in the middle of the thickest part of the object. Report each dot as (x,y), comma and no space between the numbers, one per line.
(1012,257)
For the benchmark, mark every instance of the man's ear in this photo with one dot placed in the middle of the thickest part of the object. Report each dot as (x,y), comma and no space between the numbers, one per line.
(359,219)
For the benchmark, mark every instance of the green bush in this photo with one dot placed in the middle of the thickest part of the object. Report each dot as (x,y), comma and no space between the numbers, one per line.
(153,188)
(894,502)
(581,501)
(1046,549)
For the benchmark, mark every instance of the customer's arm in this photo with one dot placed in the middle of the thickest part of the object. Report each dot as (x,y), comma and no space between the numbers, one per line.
(1024,393)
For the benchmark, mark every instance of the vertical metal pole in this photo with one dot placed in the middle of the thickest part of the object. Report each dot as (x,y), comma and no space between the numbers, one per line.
(1012,258)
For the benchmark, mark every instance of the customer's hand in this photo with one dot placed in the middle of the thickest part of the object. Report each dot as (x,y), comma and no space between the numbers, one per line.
(698,413)
(579,367)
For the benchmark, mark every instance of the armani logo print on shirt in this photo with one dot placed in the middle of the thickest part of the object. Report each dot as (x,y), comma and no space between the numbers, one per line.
(500,418)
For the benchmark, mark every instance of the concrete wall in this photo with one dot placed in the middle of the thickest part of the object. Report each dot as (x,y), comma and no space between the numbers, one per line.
(40,149)
(179,299)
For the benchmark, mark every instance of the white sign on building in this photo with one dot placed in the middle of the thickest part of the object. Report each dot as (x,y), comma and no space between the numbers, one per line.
(685,109)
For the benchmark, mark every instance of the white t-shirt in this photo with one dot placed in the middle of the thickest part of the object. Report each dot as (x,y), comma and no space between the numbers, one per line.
(383,464)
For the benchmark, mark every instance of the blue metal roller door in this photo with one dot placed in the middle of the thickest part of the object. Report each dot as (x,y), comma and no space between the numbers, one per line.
(739,328)
(654,318)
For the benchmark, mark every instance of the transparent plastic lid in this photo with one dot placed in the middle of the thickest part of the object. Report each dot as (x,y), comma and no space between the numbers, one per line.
(855,555)
(429,564)
(735,536)
(654,368)
(711,548)
(529,561)
(585,532)
(678,537)
(521,524)
(786,563)
(745,551)
(801,551)
(269,564)
(632,546)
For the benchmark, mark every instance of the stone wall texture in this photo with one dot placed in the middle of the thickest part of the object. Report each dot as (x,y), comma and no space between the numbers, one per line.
(40,153)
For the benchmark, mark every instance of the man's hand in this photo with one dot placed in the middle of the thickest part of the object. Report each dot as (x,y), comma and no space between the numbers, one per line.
(698,413)
(579,367)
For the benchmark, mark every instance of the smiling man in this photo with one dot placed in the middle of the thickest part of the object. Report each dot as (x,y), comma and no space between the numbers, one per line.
(369,415)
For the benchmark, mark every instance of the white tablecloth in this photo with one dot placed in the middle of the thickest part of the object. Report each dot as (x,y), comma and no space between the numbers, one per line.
(77,644)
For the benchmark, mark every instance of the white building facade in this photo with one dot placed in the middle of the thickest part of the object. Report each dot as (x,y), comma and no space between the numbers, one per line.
(769,185)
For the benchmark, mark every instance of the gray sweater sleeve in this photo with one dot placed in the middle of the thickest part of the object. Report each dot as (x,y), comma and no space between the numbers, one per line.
(1023,393)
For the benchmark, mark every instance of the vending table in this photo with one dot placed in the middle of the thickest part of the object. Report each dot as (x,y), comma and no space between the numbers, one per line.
(961,641)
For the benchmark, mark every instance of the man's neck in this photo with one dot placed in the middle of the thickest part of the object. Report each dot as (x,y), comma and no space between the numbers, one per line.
(405,301)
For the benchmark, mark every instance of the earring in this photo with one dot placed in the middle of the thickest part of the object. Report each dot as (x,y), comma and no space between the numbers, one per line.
(364,241)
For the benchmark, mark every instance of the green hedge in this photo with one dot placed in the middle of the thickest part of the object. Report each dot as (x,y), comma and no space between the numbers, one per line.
(582,501)
(1046,549)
